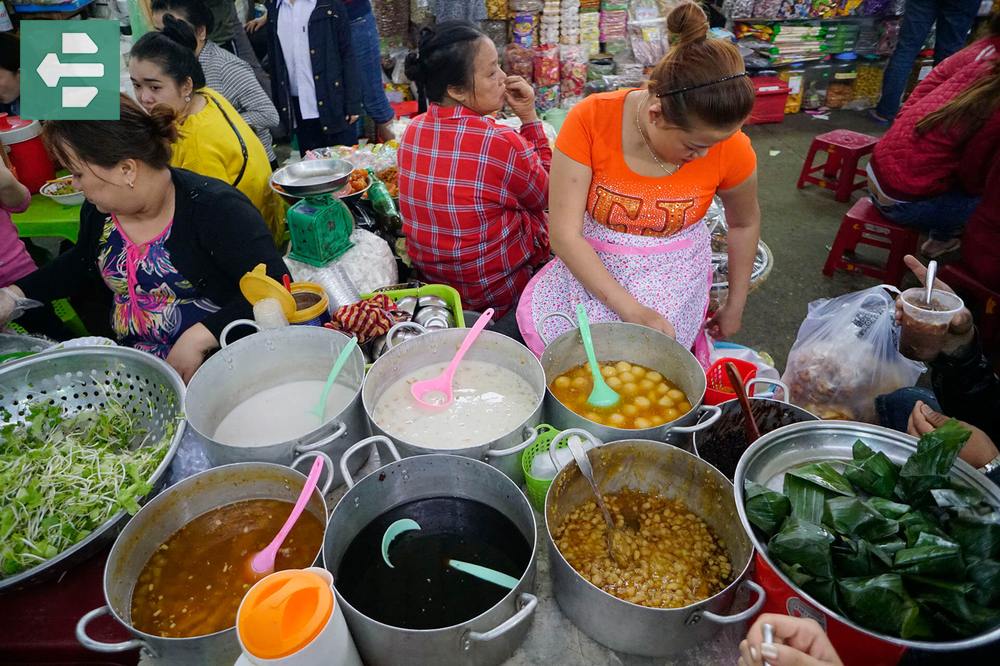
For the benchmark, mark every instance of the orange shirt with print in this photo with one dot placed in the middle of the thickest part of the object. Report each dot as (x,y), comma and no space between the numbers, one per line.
(625,201)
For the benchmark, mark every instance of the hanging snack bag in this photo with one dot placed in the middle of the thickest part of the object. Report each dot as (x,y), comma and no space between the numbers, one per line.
(546,65)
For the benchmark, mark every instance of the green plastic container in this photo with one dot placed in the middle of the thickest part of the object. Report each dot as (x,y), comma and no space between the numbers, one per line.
(537,488)
(442,291)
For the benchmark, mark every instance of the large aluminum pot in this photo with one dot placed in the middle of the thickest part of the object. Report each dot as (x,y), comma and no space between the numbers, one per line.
(722,444)
(619,341)
(674,473)
(264,360)
(440,347)
(485,640)
(157,521)
(766,462)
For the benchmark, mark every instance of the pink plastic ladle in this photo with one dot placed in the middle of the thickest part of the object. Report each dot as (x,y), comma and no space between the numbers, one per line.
(442,384)
(262,563)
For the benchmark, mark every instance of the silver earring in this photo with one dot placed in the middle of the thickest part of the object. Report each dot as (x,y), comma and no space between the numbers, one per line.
(131,185)
(188,98)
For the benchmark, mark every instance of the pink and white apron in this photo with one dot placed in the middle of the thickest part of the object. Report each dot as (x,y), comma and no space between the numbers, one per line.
(671,275)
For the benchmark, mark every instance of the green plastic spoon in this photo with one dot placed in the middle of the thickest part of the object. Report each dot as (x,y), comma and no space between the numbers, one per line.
(319,409)
(602,395)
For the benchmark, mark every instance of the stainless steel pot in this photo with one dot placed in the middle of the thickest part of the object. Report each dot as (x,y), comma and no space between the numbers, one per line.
(261,361)
(767,460)
(654,467)
(440,347)
(723,443)
(618,341)
(158,520)
(485,640)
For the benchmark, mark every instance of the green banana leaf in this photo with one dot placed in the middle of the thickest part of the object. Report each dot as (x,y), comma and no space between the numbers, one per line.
(986,576)
(931,556)
(957,497)
(928,468)
(825,476)
(856,558)
(806,544)
(851,517)
(978,534)
(953,613)
(808,500)
(890,547)
(825,592)
(766,509)
(916,523)
(888,508)
(795,573)
(876,475)
(861,451)
(882,604)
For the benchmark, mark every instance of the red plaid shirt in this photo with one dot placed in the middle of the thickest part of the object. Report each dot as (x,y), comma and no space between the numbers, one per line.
(473,195)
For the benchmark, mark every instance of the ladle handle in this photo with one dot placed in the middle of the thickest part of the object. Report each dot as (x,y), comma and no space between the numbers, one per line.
(470,338)
(932,269)
(373,441)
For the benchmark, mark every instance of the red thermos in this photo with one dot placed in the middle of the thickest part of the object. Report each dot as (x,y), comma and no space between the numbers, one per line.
(23,138)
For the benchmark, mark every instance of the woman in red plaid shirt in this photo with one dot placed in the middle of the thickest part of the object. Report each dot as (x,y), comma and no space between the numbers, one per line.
(473,193)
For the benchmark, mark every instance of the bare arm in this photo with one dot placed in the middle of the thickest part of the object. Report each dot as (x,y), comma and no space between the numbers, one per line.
(743,218)
(569,184)
(12,193)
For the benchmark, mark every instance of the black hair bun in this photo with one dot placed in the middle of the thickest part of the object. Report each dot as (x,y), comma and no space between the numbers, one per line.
(179,31)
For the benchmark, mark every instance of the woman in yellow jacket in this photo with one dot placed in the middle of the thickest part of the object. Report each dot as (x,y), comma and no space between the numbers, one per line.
(214,140)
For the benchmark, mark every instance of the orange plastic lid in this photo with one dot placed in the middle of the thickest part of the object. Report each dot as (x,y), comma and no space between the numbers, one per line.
(283,613)
(257,285)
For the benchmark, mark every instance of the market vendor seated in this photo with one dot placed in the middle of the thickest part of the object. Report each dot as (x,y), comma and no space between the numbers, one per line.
(473,193)
(633,175)
(213,139)
(171,245)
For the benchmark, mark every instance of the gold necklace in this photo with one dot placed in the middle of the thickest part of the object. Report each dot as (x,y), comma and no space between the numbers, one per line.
(645,140)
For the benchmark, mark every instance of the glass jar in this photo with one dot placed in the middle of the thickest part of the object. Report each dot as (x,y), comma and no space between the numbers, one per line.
(840,90)
(793,76)
(868,85)
(814,84)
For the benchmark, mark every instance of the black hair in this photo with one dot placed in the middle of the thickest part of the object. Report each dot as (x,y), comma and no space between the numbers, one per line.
(173,50)
(445,57)
(195,12)
(10,52)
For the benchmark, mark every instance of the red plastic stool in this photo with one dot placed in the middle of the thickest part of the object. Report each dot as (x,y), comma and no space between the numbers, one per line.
(406,109)
(983,302)
(864,225)
(844,149)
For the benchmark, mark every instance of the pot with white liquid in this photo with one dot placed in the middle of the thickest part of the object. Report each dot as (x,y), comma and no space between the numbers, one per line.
(251,401)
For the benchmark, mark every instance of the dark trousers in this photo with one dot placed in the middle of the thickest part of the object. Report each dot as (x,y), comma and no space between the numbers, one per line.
(310,134)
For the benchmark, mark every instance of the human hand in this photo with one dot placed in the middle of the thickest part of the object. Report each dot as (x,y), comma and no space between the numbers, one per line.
(978,451)
(189,352)
(726,322)
(256,24)
(8,302)
(521,98)
(797,642)
(640,314)
(352,119)
(961,330)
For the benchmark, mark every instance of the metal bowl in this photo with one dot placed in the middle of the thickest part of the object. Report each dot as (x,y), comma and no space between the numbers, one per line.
(767,460)
(312,176)
(84,378)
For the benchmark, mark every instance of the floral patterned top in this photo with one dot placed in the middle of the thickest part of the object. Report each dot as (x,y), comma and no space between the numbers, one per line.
(152,302)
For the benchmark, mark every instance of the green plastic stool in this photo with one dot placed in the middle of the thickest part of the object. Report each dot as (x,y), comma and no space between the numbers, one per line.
(67,315)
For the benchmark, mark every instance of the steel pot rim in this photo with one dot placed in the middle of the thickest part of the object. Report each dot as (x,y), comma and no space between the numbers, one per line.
(693,607)
(760,549)
(521,582)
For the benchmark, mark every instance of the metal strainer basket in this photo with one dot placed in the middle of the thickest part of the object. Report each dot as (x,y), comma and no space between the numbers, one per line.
(87,378)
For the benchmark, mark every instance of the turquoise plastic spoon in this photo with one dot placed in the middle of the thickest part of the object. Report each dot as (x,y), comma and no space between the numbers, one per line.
(319,409)
(602,395)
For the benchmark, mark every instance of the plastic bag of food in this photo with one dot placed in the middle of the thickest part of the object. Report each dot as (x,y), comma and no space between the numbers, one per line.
(573,66)
(546,65)
(847,353)
(647,37)
(519,61)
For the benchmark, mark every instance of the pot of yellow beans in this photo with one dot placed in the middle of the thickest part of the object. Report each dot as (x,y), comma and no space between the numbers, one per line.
(661,384)
(680,554)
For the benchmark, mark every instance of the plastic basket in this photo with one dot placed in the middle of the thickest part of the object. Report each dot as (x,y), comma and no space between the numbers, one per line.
(537,488)
(718,388)
(442,291)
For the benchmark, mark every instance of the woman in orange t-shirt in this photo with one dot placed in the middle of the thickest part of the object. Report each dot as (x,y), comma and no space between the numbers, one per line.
(632,177)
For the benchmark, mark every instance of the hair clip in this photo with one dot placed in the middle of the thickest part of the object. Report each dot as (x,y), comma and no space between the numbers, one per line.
(701,85)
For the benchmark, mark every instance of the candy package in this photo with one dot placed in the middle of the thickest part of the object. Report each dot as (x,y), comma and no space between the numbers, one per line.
(546,65)
(573,66)
(546,97)
(523,28)
(519,61)
(496,10)
(767,8)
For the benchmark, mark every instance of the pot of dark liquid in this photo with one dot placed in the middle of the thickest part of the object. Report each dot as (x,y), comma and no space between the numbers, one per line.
(420,610)
(723,443)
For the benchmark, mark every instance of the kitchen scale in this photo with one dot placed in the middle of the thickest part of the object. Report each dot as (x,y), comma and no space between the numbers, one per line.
(320,223)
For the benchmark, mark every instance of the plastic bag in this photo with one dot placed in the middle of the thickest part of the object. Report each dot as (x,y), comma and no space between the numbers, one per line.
(648,40)
(846,353)
(573,67)
(519,61)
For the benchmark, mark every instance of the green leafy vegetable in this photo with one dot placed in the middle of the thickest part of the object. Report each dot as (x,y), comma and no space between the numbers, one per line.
(808,500)
(851,516)
(766,509)
(882,603)
(824,475)
(928,468)
(806,544)
(62,477)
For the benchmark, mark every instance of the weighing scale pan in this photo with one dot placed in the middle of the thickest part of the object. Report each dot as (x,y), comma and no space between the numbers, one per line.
(310,177)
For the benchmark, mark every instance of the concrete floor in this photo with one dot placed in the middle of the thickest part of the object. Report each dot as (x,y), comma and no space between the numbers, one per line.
(798,226)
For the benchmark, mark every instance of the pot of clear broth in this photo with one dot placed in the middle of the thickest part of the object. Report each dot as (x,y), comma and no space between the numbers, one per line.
(421,610)
(681,554)
(178,571)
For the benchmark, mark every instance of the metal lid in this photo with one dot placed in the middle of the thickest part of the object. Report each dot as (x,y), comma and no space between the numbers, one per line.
(14,129)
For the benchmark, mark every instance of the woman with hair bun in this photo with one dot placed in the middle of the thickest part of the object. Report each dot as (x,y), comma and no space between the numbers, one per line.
(213,139)
(632,176)
(170,245)
(473,193)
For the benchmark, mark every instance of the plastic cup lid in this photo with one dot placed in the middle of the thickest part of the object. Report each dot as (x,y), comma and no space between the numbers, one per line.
(258,285)
(283,613)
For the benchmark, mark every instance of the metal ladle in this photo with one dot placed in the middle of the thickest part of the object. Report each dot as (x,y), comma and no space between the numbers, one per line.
(616,547)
